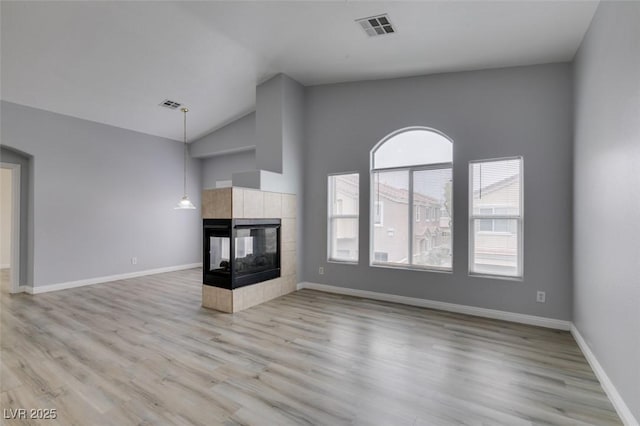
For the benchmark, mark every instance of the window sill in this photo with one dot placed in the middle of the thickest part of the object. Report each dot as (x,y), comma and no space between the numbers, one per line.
(343,262)
(410,268)
(496,277)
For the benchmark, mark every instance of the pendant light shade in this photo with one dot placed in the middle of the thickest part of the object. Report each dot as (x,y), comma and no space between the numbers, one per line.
(185,203)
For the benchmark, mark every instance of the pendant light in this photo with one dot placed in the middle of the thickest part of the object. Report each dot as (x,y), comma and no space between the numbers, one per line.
(185,203)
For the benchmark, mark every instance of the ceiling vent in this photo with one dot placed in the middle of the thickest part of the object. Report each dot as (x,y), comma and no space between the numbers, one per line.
(377,25)
(170,104)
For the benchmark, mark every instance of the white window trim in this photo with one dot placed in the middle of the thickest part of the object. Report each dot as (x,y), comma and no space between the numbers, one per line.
(417,213)
(331,220)
(520,220)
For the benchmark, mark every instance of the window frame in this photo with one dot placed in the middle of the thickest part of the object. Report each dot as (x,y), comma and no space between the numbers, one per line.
(331,219)
(493,218)
(411,218)
(519,220)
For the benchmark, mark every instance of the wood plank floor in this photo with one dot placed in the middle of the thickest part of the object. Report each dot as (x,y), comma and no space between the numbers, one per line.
(143,351)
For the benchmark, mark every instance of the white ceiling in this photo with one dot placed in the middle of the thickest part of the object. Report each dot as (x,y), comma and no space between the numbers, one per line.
(114,62)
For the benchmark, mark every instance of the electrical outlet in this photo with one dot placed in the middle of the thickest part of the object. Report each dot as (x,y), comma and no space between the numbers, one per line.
(541,297)
(134,260)
(321,270)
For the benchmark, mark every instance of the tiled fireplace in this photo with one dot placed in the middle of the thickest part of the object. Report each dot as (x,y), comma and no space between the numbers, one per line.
(249,243)
(240,252)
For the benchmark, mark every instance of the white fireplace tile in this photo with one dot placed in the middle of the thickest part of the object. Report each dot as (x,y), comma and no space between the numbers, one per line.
(272,205)
(288,231)
(288,263)
(273,289)
(289,206)
(238,203)
(253,204)
(289,246)
(222,203)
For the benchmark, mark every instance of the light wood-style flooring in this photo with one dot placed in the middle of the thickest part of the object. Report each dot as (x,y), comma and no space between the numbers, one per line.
(143,351)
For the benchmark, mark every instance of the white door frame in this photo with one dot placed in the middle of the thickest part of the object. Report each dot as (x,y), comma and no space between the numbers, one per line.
(15,226)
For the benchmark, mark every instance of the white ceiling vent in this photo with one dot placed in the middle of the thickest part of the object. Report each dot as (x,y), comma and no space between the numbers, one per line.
(377,25)
(170,104)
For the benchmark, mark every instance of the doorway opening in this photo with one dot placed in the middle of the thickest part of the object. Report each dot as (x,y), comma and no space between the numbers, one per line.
(10,228)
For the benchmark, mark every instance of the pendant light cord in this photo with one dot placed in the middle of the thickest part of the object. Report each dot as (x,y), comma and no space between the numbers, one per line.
(184,110)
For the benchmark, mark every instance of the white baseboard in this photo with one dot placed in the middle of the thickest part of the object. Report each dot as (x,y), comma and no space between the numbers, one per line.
(618,403)
(443,306)
(109,278)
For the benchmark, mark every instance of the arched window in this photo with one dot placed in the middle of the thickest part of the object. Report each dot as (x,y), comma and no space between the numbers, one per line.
(411,203)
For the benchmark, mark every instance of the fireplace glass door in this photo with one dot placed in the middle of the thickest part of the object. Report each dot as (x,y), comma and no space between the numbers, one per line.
(219,250)
(239,252)
(256,249)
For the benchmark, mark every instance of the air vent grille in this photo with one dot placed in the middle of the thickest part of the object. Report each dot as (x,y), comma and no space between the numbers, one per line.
(170,104)
(377,25)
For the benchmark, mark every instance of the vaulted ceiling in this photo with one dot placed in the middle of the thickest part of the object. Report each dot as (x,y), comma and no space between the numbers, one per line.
(114,62)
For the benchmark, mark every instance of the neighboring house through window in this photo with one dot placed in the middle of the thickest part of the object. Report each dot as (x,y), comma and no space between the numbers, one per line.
(496,217)
(411,170)
(343,217)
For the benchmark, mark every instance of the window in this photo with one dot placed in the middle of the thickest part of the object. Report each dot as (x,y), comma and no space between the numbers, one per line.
(344,197)
(495,217)
(411,173)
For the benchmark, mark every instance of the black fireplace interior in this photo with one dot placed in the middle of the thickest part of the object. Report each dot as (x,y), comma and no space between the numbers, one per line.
(239,252)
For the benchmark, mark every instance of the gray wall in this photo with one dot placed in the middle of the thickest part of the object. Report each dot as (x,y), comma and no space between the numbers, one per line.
(237,136)
(293,137)
(293,161)
(8,155)
(221,167)
(607,194)
(496,113)
(269,124)
(101,196)
(279,139)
